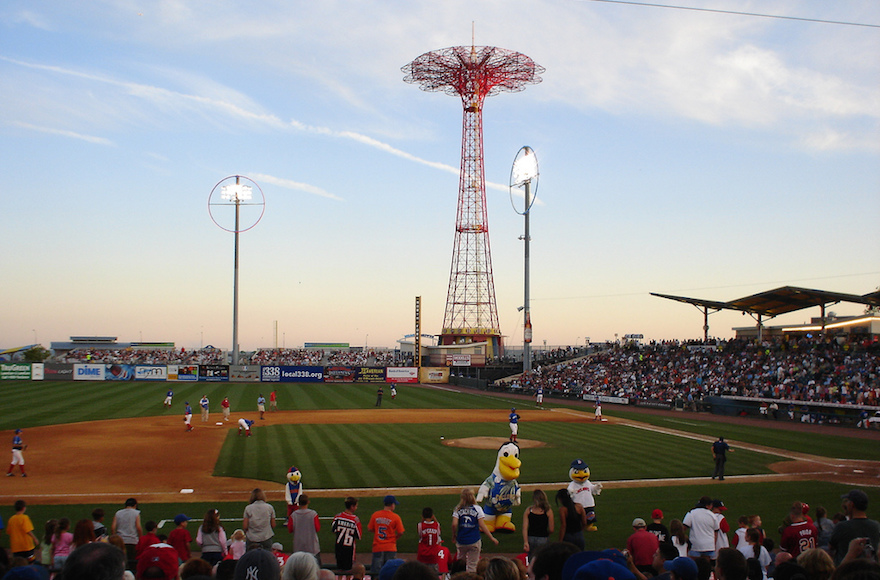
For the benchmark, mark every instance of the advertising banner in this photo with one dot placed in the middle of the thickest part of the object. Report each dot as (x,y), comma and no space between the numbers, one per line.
(339,375)
(369,374)
(150,373)
(434,375)
(213,372)
(119,373)
(402,374)
(58,372)
(88,372)
(292,374)
(18,371)
(458,360)
(183,372)
(37,372)
(244,373)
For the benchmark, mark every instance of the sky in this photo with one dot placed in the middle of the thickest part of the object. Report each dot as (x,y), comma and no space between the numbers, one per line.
(683,152)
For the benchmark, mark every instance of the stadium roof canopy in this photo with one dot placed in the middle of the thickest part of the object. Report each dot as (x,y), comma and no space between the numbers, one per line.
(775,302)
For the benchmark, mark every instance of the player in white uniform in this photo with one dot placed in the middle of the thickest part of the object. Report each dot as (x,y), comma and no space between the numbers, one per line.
(17,456)
(168,396)
(539,396)
(597,415)
(244,425)
(514,424)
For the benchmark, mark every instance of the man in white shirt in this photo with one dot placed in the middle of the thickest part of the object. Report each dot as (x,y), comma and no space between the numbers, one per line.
(702,525)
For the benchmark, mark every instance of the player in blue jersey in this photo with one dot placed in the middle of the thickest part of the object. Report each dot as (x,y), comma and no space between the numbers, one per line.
(18,447)
(168,396)
(187,416)
(514,424)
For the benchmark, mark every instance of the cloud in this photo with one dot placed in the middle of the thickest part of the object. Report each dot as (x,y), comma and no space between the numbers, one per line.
(295,185)
(64,133)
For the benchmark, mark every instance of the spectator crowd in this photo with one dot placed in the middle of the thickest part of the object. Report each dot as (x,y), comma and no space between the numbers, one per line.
(807,370)
(702,545)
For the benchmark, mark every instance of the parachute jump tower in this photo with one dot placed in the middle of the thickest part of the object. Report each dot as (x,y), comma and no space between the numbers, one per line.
(472,73)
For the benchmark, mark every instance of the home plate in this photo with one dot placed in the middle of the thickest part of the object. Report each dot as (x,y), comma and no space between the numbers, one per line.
(219,423)
(186,490)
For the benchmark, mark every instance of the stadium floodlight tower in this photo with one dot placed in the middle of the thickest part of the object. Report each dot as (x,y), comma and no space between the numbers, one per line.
(472,73)
(236,195)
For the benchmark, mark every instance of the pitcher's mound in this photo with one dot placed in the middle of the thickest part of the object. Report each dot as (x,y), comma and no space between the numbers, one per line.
(490,443)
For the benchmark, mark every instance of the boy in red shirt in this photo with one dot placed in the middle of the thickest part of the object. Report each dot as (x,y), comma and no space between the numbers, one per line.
(429,540)
(180,538)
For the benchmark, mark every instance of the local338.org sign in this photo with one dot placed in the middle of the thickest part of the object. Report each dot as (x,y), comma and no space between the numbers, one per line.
(291,374)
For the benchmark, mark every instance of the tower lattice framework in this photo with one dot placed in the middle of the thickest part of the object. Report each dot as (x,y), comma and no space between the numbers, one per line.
(472,73)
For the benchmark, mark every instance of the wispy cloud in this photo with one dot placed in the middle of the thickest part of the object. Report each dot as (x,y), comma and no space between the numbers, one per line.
(65,133)
(295,185)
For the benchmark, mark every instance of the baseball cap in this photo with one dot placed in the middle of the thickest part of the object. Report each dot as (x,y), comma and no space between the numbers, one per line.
(639,523)
(277,546)
(389,568)
(657,514)
(17,431)
(22,573)
(603,570)
(390,499)
(717,503)
(257,564)
(180,518)
(163,556)
(576,561)
(858,498)
(684,567)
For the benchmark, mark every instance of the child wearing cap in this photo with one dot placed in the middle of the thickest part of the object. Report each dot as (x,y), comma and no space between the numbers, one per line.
(180,538)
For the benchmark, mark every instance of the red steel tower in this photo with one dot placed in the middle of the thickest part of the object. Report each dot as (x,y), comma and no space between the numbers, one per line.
(472,73)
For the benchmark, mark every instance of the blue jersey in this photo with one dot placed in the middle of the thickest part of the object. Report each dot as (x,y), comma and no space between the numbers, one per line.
(468,524)
(189,410)
(169,394)
(17,443)
(514,418)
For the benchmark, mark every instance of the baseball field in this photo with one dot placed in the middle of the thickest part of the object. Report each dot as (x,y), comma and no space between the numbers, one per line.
(94,445)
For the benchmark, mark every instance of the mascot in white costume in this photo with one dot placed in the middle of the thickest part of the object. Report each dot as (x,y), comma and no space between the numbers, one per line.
(292,490)
(501,490)
(582,490)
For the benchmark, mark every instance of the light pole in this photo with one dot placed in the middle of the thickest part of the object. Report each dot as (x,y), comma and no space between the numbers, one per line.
(236,195)
(524,175)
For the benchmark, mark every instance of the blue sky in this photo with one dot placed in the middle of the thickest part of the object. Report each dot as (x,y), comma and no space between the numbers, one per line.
(681,152)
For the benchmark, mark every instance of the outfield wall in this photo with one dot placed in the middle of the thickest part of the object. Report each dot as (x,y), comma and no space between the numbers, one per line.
(221,373)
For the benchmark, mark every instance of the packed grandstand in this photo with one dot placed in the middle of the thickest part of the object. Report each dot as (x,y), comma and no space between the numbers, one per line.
(795,369)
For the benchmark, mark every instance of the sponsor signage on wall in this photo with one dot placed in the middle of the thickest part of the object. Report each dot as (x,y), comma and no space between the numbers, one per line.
(292,374)
(213,372)
(15,371)
(339,375)
(434,375)
(119,372)
(150,373)
(183,372)
(58,372)
(88,372)
(369,374)
(458,360)
(402,374)
(244,373)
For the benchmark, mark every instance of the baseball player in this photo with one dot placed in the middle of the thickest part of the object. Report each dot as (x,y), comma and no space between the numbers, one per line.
(597,414)
(245,426)
(514,424)
(539,397)
(168,396)
(17,457)
(204,405)
(187,416)
(225,406)
(393,392)
(261,405)
(273,400)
